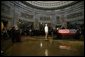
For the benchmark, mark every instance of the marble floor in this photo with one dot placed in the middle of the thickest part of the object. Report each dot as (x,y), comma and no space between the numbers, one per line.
(32,46)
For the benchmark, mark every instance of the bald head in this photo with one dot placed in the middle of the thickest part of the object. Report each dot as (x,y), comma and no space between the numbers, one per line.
(45,24)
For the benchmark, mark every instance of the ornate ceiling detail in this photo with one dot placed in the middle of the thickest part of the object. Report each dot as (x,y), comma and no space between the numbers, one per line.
(49,4)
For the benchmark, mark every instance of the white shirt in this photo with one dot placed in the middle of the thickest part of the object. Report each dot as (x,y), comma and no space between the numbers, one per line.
(46,29)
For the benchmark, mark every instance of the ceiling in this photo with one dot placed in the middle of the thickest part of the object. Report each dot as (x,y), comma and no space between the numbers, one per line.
(49,5)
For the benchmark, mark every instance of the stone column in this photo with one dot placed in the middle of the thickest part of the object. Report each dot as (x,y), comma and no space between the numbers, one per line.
(14,15)
(53,20)
(36,21)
